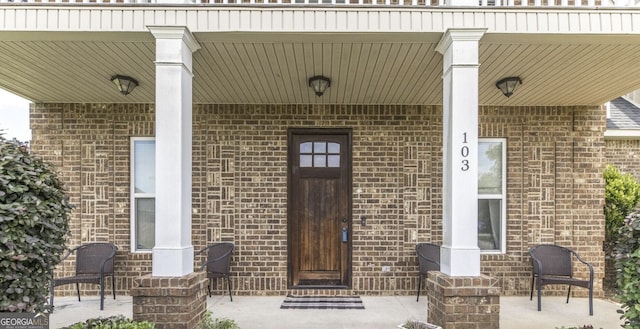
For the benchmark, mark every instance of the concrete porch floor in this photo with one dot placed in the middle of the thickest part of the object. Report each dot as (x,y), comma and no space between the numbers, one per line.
(380,312)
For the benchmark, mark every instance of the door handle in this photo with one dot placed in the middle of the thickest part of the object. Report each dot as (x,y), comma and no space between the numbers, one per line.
(345,234)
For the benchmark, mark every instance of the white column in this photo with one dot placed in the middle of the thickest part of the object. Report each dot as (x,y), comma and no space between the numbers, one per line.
(173,252)
(460,255)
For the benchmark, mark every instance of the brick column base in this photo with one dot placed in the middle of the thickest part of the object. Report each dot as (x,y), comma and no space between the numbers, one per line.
(463,302)
(170,302)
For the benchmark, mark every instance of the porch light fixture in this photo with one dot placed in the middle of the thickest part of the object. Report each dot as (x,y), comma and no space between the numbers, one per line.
(124,83)
(509,85)
(319,84)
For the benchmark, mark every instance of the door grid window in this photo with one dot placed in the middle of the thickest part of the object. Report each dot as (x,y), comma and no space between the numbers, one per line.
(319,154)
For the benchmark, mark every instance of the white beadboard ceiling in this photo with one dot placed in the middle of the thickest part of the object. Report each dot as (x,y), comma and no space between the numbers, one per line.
(273,68)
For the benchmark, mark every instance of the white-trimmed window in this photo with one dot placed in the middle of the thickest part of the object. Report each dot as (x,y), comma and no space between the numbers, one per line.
(492,208)
(143,193)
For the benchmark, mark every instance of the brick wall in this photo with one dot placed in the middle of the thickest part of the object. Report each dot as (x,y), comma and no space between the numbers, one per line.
(625,155)
(554,188)
(463,302)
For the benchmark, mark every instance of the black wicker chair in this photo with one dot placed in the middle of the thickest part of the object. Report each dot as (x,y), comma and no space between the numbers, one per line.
(94,261)
(218,263)
(552,264)
(428,260)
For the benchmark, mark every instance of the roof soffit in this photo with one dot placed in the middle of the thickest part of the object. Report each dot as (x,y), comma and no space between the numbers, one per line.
(384,56)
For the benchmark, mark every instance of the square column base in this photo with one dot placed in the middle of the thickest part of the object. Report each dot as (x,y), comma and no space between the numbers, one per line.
(170,302)
(469,302)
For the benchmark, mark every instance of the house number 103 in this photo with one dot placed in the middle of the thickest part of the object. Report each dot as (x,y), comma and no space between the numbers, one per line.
(464,151)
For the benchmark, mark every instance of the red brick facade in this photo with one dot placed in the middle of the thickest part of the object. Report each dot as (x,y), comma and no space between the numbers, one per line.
(463,302)
(170,303)
(554,184)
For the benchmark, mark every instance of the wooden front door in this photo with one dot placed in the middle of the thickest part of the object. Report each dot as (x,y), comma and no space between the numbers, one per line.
(319,218)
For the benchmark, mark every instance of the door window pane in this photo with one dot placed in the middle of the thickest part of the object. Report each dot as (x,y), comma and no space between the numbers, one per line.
(320,161)
(334,148)
(306,161)
(320,147)
(334,161)
(306,147)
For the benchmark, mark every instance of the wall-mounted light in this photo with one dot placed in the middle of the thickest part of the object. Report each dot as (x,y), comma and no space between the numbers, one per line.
(124,83)
(509,85)
(319,84)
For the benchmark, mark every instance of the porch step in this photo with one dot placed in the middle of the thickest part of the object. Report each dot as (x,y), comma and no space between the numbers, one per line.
(321,291)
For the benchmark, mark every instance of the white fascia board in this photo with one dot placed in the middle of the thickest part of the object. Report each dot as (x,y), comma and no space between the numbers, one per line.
(622,134)
(318,19)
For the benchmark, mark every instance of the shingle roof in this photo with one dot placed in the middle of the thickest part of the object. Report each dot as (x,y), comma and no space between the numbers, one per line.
(623,114)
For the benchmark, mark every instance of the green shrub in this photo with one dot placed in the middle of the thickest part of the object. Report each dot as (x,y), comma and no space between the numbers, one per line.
(34,216)
(627,251)
(209,323)
(621,197)
(112,322)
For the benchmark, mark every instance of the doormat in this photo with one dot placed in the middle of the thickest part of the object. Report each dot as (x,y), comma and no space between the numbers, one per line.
(323,302)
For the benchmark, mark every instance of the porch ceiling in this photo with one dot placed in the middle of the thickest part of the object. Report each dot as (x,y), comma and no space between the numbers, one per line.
(365,68)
